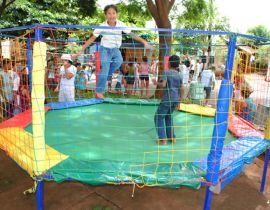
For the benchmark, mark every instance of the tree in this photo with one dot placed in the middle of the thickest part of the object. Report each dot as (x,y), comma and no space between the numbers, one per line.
(134,12)
(25,12)
(200,15)
(4,5)
(259,31)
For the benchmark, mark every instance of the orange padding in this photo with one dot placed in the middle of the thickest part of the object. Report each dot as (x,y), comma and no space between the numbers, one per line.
(21,120)
(240,127)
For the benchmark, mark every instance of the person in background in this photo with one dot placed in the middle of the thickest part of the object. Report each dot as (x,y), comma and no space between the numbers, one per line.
(144,70)
(118,85)
(67,80)
(208,80)
(6,88)
(16,87)
(246,108)
(130,76)
(81,83)
(184,72)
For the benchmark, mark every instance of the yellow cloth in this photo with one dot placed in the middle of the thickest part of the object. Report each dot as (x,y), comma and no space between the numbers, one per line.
(197,109)
(18,144)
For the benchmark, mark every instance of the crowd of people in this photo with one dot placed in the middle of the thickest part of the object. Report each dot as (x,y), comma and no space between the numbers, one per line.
(186,78)
(14,88)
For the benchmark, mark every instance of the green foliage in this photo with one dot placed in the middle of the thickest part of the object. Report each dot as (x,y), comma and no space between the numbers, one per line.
(134,12)
(194,14)
(27,12)
(260,31)
(262,56)
(199,15)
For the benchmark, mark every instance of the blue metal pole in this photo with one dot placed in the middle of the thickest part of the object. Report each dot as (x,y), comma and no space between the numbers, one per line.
(40,195)
(230,58)
(29,63)
(208,199)
(266,159)
(221,124)
(38,34)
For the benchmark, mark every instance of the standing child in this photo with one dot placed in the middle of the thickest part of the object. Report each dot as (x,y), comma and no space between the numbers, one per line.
(118,86)
(111,58)
(137,77)
(130,76)
(82,80)
(171,82)
(246,108)
(144,69)
(67,80)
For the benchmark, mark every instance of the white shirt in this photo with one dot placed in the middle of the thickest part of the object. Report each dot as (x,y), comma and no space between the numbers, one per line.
(16,82)
(66,83)
(208,78)
(185,73)
(199,68)
(111,38)
(119,77)
(192,63)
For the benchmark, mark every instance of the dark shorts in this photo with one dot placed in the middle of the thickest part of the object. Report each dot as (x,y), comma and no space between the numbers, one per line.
(144,77)
(118,86)
(191,72)
(208,92)
(130,80)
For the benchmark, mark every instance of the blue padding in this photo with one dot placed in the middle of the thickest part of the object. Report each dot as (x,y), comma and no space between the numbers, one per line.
(219,132)
(131,101)
(235,155)
(72,104)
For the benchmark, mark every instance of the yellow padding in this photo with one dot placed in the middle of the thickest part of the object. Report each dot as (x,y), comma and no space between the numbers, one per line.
(38,97)
(267,131)
(197,109)
(19,146)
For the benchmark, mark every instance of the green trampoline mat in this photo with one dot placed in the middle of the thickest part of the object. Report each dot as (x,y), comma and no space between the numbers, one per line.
(119,141)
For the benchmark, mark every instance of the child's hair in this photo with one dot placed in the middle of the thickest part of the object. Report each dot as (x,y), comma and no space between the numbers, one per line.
(130,61)
(213,68)
(174,61)
(6,61)
(245,93)
(109,7)
(78,64)
(145,59)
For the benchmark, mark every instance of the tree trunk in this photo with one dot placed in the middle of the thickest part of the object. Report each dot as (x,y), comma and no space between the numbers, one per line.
(160,11)
(4,5)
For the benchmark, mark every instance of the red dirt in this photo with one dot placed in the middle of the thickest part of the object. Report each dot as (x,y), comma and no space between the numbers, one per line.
(242,193)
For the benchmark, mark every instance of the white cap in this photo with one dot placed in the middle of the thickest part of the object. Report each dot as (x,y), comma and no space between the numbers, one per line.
(66,57)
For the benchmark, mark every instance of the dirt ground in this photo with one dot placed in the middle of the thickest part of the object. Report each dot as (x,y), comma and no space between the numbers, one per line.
(241,194)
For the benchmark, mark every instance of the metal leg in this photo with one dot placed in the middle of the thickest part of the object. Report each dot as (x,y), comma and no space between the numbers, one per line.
(40,195)
(208,199)
(265,170)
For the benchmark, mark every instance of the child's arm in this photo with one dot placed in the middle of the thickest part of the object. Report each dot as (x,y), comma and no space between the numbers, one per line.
(69,75)
(240,105)
(86,44)
(140,39)
(160,83)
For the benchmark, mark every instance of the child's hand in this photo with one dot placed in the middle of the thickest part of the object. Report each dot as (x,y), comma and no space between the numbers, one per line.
(154,81)
(56,89)
(148,46)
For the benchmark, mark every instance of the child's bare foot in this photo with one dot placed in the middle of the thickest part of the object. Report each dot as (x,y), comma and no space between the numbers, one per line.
(161,141)
(99,95)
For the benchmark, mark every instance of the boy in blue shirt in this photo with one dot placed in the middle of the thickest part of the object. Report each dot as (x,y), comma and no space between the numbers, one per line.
(171,82)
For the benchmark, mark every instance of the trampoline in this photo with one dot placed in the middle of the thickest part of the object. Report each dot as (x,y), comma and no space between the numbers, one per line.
(113,141)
